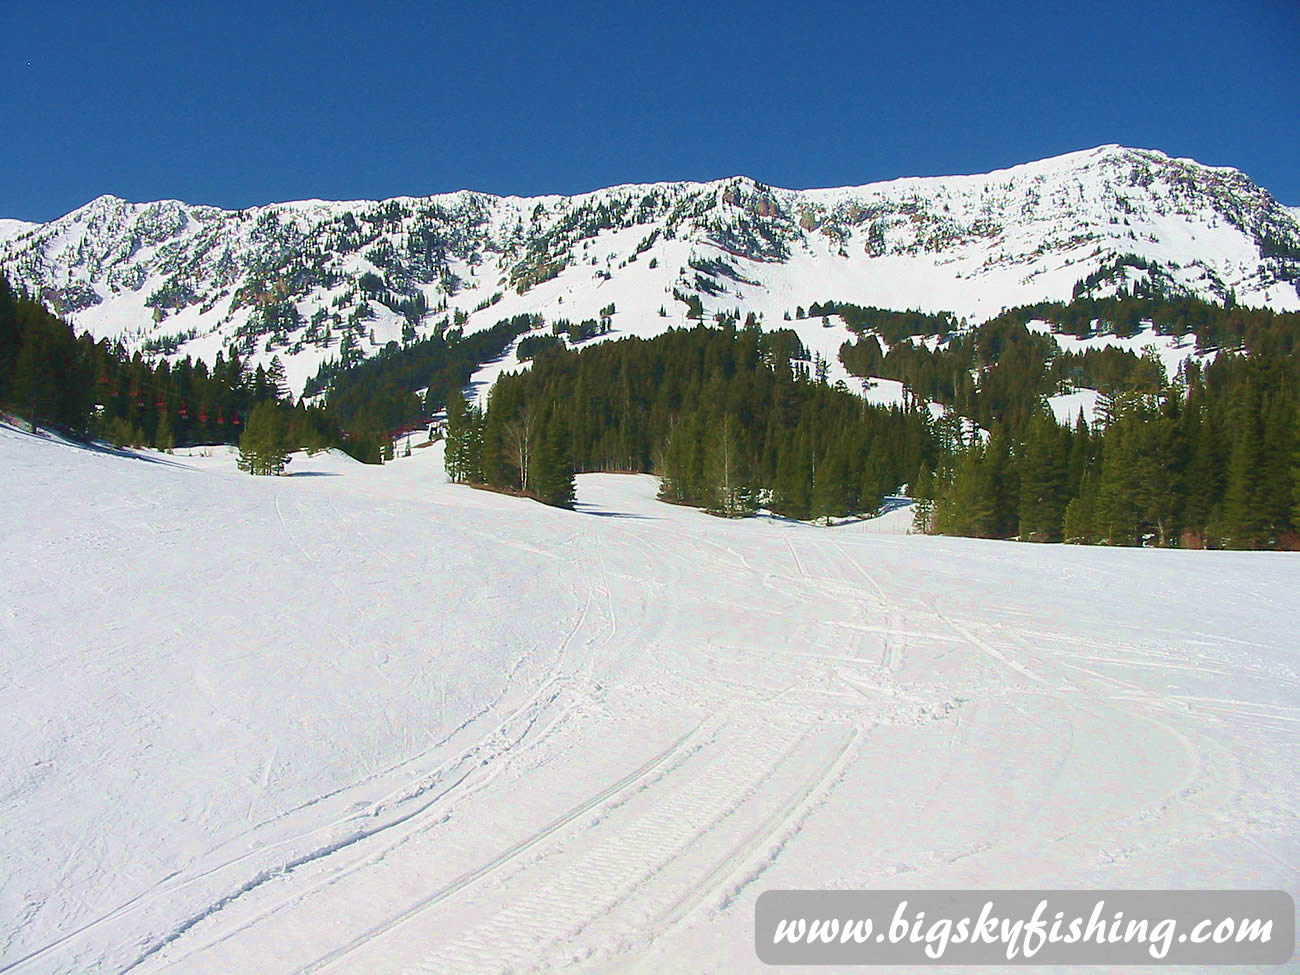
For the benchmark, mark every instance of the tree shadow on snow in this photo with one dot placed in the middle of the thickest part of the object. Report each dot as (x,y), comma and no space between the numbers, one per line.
(92,446)
(586,509)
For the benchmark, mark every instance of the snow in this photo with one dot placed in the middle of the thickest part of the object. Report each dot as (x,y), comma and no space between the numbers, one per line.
(972,245)
(887,392)
(359,719)
(1171,350)
(12,228)
(1066,407)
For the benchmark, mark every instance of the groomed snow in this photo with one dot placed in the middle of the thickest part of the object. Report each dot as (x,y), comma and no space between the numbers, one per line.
(361,720)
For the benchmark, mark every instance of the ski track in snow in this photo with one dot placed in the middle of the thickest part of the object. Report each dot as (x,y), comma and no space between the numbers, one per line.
(375,722)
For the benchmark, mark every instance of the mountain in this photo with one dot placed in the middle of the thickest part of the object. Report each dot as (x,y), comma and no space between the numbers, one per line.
(12,228)
(312,280)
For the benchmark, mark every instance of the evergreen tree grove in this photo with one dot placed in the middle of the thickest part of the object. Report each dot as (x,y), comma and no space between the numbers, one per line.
(264,446)
(719,413)
(52,376)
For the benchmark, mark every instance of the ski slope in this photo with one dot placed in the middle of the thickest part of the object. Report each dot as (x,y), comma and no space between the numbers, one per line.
(358,719)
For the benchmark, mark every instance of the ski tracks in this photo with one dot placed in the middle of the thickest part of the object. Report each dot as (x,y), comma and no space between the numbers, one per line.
(505,858)
(895,648)
(650,864)
(434,794)
(1196,778)
(430,791)
(739,867)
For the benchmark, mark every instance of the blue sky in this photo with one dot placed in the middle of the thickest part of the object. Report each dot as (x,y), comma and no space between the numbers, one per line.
(239,103)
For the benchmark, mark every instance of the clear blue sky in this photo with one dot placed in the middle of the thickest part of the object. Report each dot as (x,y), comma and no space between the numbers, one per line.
(240,103)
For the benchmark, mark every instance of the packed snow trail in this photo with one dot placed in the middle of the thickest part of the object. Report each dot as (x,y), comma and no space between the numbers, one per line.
(370,721)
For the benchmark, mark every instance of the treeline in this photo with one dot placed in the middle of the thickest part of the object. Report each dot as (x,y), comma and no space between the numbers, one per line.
(1000,370)
(378,395)
(728,417)
(1214,326)
(1010,361)
(1211,465)
(892,326)
(54,377)
(1209,458)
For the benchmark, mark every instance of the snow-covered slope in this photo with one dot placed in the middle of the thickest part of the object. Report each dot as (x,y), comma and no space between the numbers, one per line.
(299,280)
(362,720)
(12,228)
(1172,351)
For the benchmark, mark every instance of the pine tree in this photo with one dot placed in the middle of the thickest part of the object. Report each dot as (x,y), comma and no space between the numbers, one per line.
(491,467)
(552,476)
(1081,448)
(164,435)
(874,483)
(1115,520)
(831,494)
(727,471)
(35,392)
(263,448)
(276,381)
(1295,476)
(1274,496)
(1203,482)
(1042,481)
(460,427)
(1158,476)
(1003,484)
(793,483)
(1079,513)
(966,505)
(979,498)
(922,492)
(684,478)
(10,337)
(1242,519)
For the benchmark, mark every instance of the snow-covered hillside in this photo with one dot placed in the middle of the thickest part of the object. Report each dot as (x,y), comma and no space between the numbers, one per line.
(362,720)
(12,228)
(1171,350)
(303,280)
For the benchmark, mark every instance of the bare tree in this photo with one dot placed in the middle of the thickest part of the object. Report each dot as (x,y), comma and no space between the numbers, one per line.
(521,437)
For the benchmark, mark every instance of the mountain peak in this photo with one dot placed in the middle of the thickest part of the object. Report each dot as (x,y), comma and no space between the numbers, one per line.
(295,279)
(105,201)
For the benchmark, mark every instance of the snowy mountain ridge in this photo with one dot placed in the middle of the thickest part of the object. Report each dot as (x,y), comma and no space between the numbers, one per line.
(314,280)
